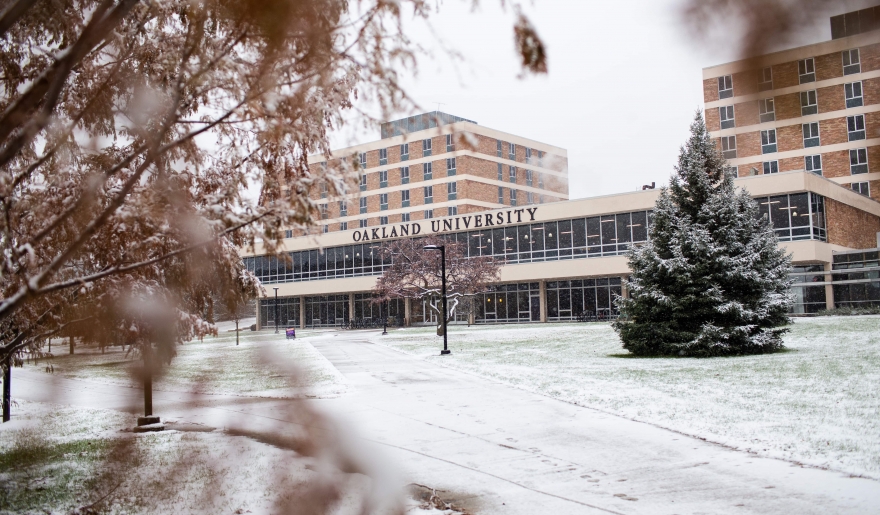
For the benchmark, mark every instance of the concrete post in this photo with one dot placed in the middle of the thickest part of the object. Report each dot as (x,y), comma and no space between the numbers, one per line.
(259,322)
(829,289)
(407,311)
(543,298)
(623,291)
(350,306)
(302,312)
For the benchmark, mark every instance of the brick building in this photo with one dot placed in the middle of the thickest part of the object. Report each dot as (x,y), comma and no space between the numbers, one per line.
(814,108)
(436,164)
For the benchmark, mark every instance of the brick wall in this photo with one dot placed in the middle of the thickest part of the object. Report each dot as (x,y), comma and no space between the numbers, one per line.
(849,226)
(745,83)
(748,144)
(872,125)
(831,98)
(874,159)
(713,118)
(829,66)
(791,163)
(871,90)
(870,57)
(789,137)
(746,113)
(785,75)
(832,131)
(835,164)
(787,106)
(710,90)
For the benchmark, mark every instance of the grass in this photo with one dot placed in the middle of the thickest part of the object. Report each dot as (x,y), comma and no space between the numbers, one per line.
(262,365)
(818,402)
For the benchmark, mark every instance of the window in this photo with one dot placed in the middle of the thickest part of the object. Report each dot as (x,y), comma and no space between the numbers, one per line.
(500,195)
(771,167)
(861,187)
(855,126)
(767,110)
(540,180)
(528,155)
(383,156)
(450,143)
(429,213)
(343,208)
(725,86)
(426,147)
(452,211)
(323,190)
(404,152)
(451,190)
(766,80)
(726,113)
(404,198)
(323,209)
(529,199)
(363,205)
(853,93)
(288,233)
(404,175)
(807,70)
(811,134)
(513,174)
(858,161)
(528,177)
(404,217)
(343,226)
(383,220)
(325,229)
(808,103)
(851,62)
(428,173)
(383,178)
(728,147)
(511,151)
(498,148)
(362,158)
(768,141)
(363,182)
(813,164)
(500,172)
(512,197)
(429,194)
(362,222)
(450,166)
(383,201)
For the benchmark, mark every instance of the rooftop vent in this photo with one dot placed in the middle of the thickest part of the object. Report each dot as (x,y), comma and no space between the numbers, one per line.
(419,122)
(856,22)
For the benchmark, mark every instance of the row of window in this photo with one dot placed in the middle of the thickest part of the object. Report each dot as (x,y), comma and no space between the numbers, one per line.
(855,126)
(451,170)
(806,73)
(794,217)
(427,150)
(853,95)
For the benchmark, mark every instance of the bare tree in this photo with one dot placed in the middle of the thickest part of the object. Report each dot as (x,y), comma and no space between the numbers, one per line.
(415,273)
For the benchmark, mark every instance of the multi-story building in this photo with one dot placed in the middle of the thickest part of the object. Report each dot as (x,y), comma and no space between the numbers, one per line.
(434,165)
(814,108)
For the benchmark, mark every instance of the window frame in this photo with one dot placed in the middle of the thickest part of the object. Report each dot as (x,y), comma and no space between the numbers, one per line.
(383,202)
(768,141)
(450,143)
(363,205)
(383,156)
(806,70)
(452,190)
(767,112)
(429,214)
(404,175)
(511,175)
(728,151)
(725,86)
(727,122)
(851,67)
(450,167)
(404,151)
(853,132)
(810,164)
(806,97)
(383,220)
(862,188)
(452,211)
(343,208)
(514,197)
(860,165)
(766,82)
(770,167)
(362,159)
(810,139)
(426,147)
(511,151)
(428,192)
(404,198)
(383,178)
(849,94)
(427,171)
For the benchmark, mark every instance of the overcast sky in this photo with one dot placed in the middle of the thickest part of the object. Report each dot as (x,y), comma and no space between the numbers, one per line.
(623,86)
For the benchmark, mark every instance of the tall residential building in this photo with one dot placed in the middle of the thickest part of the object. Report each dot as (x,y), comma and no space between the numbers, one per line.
(435,165)
(814,108)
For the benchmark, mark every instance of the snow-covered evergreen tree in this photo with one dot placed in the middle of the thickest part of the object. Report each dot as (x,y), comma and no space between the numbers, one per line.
(712,279)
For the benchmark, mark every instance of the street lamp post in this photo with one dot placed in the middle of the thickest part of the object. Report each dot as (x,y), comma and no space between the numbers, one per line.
(276,310)
(442,249)
(385,317)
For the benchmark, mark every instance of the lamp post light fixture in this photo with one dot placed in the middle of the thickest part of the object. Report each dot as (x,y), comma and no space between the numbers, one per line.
(276,310)
(442,249)
(385,317)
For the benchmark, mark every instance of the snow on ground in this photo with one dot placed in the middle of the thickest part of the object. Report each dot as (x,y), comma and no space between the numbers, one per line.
(263,364)
(817,403)
(56,459)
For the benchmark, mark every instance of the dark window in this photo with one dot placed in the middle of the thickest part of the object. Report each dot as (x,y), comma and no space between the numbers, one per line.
(765,82)
(404,152)
(727,120)
(853,92)
(771,167)
(725,86)
(451,190)
(429,194)
(813,164)
(450,166)
(383,179)
(426,147)
(858,161)
(768,141)
(383,156)
(861,187)
(855,126)
(807,70)
(450,142)
(383,201)
(767,110)
(851,62)
(811,134)
(404,175)
(404,198)
(808,103)
(427,169)
(363,205)
(728,147)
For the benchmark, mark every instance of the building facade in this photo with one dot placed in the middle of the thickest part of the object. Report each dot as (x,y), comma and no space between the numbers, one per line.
(814,108)
(566,260)
(435,165)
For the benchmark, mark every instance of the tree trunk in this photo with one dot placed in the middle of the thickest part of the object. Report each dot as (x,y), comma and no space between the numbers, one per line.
(236,330)
(148,381)
(71,344)
(7,389)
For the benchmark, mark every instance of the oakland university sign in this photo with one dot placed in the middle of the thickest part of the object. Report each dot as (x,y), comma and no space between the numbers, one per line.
(458,223)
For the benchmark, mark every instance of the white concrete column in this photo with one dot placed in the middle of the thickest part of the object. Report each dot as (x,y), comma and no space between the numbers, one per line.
(407,311)
(259,322)
(829,289)
(302,312)
(351,306)
(543,299)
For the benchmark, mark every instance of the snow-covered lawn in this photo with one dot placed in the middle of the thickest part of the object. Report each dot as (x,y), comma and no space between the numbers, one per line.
(259,366)
(816,403)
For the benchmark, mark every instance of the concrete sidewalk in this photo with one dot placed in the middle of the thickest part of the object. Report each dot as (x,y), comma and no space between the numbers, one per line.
(493,448)
(499,449)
